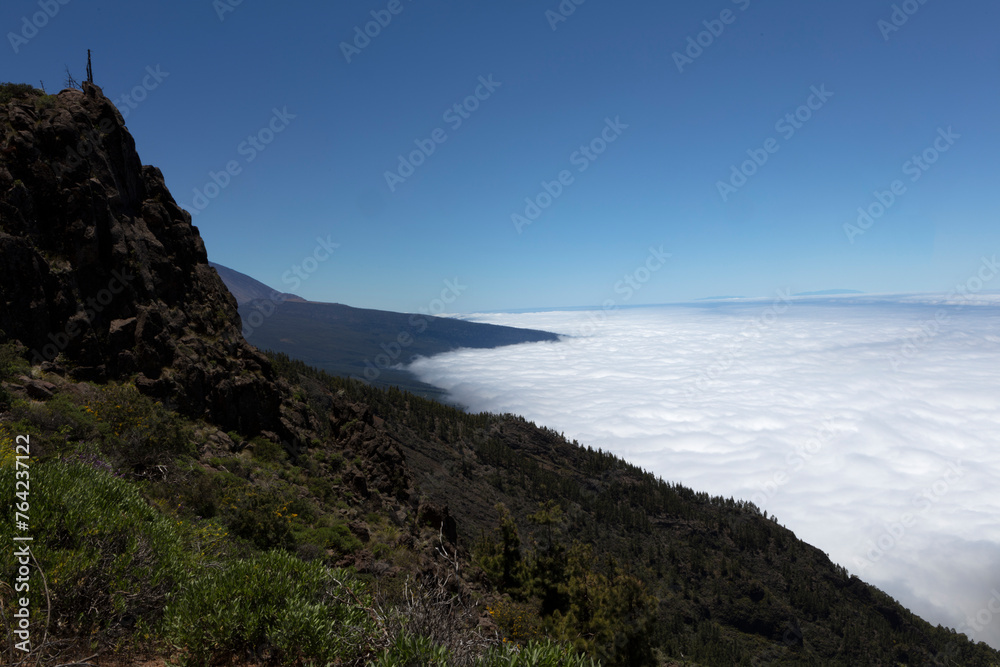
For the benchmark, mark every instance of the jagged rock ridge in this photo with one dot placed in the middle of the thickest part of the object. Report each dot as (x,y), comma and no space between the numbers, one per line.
(113,272)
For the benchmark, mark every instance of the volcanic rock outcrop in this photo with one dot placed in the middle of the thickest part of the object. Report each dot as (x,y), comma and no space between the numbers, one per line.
(113,273)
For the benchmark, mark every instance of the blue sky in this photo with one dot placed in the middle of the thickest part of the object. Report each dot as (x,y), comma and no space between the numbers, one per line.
(556,86)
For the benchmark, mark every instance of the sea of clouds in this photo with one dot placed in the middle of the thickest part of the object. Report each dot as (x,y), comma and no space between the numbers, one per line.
(868,425)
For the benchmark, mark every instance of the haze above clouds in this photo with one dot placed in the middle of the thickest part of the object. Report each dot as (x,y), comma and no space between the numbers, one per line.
(868,425)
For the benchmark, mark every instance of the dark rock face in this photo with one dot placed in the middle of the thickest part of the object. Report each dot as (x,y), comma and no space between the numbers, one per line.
(104,275)
(436,516)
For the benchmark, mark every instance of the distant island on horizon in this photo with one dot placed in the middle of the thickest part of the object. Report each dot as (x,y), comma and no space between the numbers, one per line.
(830,292)
(827,292)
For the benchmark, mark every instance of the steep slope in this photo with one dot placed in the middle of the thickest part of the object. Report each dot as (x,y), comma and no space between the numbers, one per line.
(362,343)
(245,289)
(368,344)
(731,585)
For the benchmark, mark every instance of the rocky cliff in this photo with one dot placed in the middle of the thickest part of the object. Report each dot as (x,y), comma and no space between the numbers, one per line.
(114,274)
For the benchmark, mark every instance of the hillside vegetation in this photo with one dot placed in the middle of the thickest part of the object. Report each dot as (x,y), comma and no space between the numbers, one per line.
(161,535)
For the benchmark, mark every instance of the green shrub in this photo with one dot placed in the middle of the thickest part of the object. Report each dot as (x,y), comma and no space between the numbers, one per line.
(257,515)
(320,488)
(197,497)
(12,361)
(233,465)
(267,451)
(9,91)
(138,432)
(11,364)
(45,102)
(535,654)
(108,557)
(337,537)
(412,650)
(271,604)
(409,650)
(60,417)
(518,621)
(5,398)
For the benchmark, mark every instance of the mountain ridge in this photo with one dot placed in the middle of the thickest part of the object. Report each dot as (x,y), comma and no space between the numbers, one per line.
(366,344)
(165,316)
(246,289)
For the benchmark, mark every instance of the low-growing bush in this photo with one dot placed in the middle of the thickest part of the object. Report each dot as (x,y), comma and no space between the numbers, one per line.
(337,537)
(109,559)
(200,494)
(272,604)
(320,488)
(535,654)
(12,361)
(336,461)
(520,622)
(267,451)
(258,515)
(59,419)
(234,465)
(409,650)
(138,432)
(9,91)
(44,101)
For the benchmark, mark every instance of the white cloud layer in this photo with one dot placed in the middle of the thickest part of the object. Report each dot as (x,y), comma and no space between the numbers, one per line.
(869,426)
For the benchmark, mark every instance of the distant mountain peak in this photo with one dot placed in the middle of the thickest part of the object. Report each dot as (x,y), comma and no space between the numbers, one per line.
(246,289)
(362,343)
(829,292)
